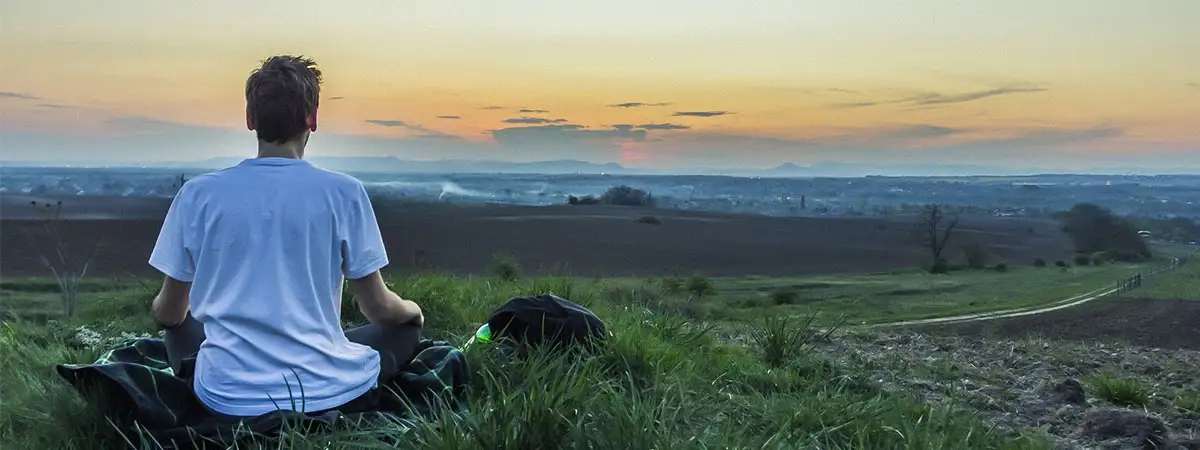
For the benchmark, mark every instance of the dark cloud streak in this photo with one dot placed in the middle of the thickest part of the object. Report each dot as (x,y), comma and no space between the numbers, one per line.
(700,113)
(662,126)
(636,105)
(18,96)
(449,117)
(933,98)
(533,111)
(425,133)
(533,120)
(924,99)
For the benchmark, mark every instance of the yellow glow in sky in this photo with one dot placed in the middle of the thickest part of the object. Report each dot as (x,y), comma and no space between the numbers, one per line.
(747,82)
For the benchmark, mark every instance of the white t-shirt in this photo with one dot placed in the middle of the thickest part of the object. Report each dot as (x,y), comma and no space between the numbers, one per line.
(266,245)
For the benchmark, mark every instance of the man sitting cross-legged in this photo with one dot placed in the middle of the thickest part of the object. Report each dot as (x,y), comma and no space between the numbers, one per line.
(259,252)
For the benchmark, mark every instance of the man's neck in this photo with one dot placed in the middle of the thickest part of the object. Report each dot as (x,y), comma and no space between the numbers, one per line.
(290,149)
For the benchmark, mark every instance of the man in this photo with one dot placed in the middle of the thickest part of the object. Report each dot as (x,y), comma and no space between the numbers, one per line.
(259,252)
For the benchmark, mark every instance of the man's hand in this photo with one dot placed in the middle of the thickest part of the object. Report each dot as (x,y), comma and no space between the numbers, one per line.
(382,306)
(170,306)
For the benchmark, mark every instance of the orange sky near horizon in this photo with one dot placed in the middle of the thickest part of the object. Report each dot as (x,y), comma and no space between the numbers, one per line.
(1115,78)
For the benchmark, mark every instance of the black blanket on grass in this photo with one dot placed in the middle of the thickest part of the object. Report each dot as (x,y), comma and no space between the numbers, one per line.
(134,386)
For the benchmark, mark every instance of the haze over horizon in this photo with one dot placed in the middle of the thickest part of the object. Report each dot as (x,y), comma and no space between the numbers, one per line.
(672,85)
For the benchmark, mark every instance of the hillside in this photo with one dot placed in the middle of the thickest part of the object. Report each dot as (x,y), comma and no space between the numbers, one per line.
(585,241)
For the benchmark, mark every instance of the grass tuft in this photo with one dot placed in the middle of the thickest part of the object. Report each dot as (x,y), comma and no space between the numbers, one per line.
(1125,392)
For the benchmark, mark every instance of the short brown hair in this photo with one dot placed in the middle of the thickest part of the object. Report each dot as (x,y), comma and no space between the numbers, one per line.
(280,95)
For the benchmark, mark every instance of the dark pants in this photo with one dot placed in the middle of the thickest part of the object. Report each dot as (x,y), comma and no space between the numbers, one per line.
(396,346)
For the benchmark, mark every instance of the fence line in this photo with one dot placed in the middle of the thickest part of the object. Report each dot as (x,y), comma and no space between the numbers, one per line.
(1135,281)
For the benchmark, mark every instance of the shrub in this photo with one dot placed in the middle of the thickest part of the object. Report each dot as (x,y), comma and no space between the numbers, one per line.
(940,267)
(651,220)
(1083,260)
(778,339)
(1061,263)
(785,296)
(1121,391)
(1187,403)
(585,200)
(626,196)
(1039,262)
(1002,267)
(976,256)
(505,267)
(699,286)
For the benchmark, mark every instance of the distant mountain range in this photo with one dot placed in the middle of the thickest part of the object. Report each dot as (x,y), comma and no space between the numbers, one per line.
(390,164)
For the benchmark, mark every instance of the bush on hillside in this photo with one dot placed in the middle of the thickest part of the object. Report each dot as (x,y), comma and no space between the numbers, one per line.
(1061,263)
(785,296)
(941,267)
(626,196)
(976,256)
(649,220)
(1095,229)
(699,286)
(1083,260)
(618,196)
(1002,267)
(585,200)
(505,267)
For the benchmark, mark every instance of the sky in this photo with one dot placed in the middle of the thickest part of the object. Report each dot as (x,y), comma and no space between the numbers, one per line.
(664,84)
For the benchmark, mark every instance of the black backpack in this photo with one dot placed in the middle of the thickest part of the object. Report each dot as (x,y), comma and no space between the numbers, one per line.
(546,320)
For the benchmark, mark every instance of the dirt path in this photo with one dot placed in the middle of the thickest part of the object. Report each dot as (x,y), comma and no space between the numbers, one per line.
(1018,312)
(1027,311)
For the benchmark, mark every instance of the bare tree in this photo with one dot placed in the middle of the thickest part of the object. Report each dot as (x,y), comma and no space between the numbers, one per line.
(935,225)
(67,270)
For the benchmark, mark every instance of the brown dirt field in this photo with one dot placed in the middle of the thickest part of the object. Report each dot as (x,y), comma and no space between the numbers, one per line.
(587,241)
(1167,324)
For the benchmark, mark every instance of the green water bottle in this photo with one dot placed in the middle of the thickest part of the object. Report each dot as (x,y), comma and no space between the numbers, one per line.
(482,335)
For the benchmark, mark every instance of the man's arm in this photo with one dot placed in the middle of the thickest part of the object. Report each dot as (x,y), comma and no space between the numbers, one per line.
(382,306)
(173,258)
(363,254)
(170,306)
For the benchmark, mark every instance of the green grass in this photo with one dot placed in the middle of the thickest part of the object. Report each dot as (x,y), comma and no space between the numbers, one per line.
(1125,392)
(902,295)
(663,381)
(1182,284)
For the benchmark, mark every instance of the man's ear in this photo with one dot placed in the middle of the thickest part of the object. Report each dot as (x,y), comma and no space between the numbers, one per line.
(312,122)
(249,120)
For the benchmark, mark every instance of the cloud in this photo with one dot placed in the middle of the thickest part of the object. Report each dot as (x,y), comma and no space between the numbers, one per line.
(936,98)
(335,98)
(662,126)
(1055,136)
(388,123)
(849,105)
(636,105)
(492,108)
(55,106)
(933,98)
(449,117)
(1194,85)
(18,96)
(558,135)
(533,120)
(701,113)
(425,133)
(533,111)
